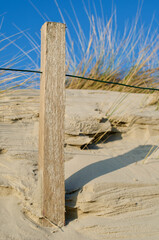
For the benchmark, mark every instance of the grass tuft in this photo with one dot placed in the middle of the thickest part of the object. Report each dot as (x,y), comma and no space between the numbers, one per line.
(130,59)
(106,54)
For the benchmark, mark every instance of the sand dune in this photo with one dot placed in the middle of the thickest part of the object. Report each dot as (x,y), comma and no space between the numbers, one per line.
(112,187)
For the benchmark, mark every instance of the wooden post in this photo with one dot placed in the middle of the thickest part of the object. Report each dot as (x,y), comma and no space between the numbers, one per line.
(51,127)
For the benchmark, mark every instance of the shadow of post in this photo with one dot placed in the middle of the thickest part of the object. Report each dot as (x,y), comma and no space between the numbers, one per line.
(76,181)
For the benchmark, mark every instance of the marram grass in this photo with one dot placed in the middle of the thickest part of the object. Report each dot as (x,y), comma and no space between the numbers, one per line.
(130,57)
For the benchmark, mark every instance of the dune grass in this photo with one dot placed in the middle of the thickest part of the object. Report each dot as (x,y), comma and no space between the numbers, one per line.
(9,81)
(130,59)
(106,54)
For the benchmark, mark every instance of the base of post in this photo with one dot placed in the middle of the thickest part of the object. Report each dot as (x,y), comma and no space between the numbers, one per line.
(45,222)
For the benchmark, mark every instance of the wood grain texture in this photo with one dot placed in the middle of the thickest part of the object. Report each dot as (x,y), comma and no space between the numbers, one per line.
(51,127)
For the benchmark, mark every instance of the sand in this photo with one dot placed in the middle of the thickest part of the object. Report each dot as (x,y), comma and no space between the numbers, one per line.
(112,187)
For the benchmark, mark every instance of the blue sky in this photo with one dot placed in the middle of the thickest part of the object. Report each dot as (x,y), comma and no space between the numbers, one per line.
(29,15)
(23,14)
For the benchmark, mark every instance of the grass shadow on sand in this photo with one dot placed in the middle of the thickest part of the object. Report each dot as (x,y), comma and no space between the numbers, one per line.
(75,182)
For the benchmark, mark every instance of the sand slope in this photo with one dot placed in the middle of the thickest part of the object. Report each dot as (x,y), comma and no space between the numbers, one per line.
(112,188)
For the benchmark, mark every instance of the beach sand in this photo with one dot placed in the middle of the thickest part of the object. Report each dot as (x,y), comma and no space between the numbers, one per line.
(112,187)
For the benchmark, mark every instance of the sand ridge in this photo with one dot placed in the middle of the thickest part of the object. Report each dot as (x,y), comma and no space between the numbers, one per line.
(112,187)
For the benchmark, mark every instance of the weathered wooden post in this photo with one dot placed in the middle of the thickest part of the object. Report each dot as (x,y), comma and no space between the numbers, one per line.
(51,127)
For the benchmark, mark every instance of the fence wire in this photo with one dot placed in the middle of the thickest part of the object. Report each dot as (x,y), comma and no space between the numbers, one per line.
(80,77)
